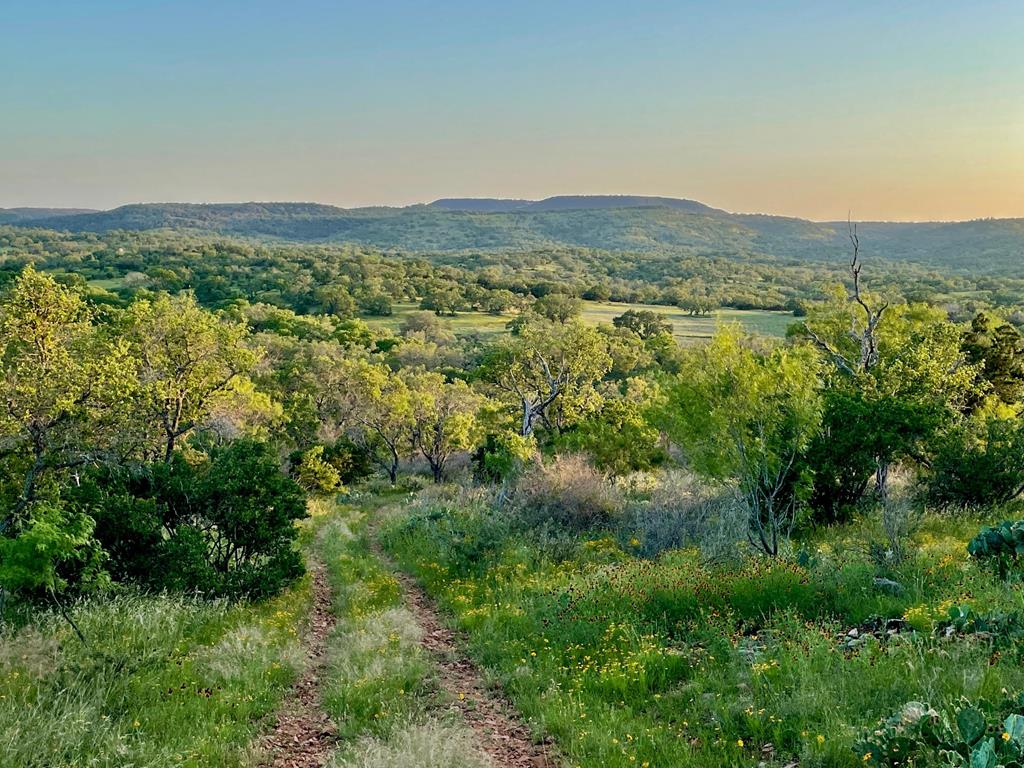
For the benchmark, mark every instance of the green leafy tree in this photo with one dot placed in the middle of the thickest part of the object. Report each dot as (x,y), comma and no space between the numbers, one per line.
(336,300)
(64,383)
(548,373)
(619,438)
(896,375)
(65,386)
(224,525)
(746,415)
(376,410)
(444,416)
(443,299)
(997,352)
(978,465)
(643,323)
(191,362)
(558,307)
(314,473)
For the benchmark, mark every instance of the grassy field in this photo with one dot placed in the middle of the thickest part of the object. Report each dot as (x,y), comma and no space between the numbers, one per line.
(164,681)
(622,660)
(632,662)
(685,327)
(159,681)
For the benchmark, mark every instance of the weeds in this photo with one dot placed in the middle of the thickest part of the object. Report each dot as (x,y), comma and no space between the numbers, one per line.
(681,662)
(163,681)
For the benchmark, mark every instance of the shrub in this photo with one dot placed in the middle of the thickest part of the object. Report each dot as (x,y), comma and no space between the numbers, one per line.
(502,456)
(54,549)
(682,512)
(566,491)
(900,517)
(976,470)
(314,473)
(353,462)
(223,527)
(618,438)
(1001,545)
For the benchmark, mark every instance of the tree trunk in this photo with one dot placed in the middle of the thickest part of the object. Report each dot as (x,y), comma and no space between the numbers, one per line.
(527,424)
(882,479)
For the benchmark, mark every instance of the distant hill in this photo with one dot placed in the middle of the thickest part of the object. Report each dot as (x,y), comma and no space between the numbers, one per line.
(10,215)
(480,204)
(608,222)
(568,203)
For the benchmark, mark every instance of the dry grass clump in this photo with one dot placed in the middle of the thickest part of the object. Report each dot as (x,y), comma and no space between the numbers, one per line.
(429,745)
(245,650)
(568,492)
(683,511)
(30,653)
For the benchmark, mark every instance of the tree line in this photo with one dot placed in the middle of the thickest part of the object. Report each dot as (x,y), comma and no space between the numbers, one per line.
(161,443)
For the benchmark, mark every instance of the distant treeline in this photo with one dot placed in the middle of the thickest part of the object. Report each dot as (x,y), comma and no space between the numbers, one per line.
(349,280)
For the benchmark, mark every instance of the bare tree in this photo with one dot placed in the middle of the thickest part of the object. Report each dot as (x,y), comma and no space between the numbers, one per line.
(864,335)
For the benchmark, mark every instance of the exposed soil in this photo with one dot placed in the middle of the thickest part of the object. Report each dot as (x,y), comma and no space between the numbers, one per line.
(502,734)
(304,736)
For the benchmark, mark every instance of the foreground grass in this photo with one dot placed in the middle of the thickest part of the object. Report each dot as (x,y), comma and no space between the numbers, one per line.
(630,662)
(380,686)
(161,681)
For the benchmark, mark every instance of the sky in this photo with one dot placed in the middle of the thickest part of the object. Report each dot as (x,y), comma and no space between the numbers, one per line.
(900,111)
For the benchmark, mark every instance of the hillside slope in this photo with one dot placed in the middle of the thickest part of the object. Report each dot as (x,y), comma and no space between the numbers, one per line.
(612,223)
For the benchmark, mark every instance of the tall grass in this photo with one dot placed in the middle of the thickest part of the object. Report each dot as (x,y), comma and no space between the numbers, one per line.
(161,681)
(380,686)
(677,662)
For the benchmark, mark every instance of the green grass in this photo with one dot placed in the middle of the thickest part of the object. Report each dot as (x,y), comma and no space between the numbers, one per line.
(685,327)
(108,284)
(631,662)
(161,681)
(380,685)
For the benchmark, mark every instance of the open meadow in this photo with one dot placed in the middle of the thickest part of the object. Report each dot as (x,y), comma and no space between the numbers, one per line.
(686,328)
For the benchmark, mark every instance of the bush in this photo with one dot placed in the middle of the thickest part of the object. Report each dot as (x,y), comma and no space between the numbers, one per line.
(618,438)
(353,462)
(502,456)
(314,473)
(681,512)
(224,527)
(54,550)
(974,470)
(900,517)
(566,491)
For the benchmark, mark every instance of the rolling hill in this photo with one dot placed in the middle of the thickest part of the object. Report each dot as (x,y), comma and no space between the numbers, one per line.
(612,223)
(12,215)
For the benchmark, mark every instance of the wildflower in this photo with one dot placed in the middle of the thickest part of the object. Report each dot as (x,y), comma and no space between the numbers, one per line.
(1006,736)
(739,743)
(821,739)
(867,756)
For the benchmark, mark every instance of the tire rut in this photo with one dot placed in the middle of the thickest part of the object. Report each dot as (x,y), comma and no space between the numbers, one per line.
(502,734)
(303,735)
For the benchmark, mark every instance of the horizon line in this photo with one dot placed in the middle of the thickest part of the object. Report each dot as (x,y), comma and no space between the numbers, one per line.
(87,210)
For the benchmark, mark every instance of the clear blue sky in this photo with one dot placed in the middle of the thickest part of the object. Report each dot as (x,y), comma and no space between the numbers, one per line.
(894,110)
